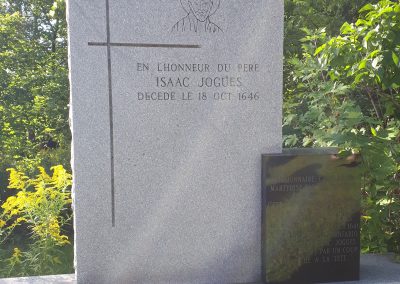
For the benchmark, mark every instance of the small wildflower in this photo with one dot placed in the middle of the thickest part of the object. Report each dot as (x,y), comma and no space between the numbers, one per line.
(17,253)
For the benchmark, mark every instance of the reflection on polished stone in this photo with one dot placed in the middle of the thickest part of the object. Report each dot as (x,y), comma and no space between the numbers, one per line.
(311,221)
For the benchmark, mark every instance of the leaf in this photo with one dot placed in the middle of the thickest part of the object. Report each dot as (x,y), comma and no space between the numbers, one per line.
(375,62)
(319,49)
(362,64)
(353,115)
(385,201)
(307,141)
(373,131)
(346,29)
(339,89)
(291,140)
(367,38)
(359,77)
(395,58)
(374,53)
(361,22)
(367,7)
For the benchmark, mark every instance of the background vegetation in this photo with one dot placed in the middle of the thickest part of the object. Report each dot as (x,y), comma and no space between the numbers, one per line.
(342,83)
(344,90)
(35,225)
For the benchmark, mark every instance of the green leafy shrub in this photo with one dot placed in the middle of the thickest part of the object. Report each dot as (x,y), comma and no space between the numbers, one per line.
(41,206)
(34,92)
(344,91)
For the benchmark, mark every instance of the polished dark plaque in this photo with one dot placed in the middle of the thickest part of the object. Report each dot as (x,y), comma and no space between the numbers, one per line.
(311,220)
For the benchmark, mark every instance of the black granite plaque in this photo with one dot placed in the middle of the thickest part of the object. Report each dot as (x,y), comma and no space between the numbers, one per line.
(311,220)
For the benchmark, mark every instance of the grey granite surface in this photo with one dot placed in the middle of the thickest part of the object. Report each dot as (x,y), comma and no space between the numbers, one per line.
(167,172)
(375,269)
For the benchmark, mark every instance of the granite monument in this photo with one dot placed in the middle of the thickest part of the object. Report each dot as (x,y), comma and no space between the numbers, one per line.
(172,104)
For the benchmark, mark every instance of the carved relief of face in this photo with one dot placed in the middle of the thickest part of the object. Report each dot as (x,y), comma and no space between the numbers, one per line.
(201,8)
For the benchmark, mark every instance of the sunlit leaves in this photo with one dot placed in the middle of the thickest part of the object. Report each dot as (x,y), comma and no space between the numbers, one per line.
(33,84)
(344,92)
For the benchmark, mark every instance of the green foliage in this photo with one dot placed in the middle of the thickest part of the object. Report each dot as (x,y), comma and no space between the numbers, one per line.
(40,205)
(33,84)
(34,131)
(344,91)
(305,15)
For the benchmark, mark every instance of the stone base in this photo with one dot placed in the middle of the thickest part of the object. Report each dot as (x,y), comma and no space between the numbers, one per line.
(52,279)
(375,269)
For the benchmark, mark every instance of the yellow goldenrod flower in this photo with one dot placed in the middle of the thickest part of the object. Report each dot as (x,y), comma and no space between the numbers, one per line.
(17,179)
(17,253)
(38,202)
(20,219)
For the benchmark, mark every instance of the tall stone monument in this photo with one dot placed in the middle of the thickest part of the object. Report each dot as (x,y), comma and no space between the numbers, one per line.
(173,102)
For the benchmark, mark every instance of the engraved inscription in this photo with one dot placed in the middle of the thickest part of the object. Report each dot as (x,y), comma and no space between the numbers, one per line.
(201,82)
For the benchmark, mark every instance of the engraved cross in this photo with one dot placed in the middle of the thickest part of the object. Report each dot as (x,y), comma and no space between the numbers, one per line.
(110,44)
